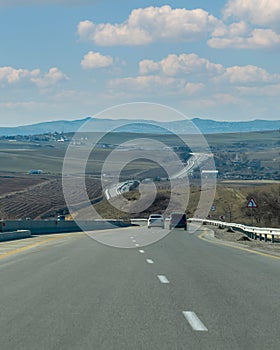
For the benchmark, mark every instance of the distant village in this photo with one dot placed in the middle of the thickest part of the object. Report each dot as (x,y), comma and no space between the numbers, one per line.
(48,137)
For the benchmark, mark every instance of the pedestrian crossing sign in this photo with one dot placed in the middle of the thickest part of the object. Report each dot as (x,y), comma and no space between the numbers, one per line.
(252,203)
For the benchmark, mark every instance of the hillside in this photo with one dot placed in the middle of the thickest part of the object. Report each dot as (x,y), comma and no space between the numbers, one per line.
(230,202)
(206,126)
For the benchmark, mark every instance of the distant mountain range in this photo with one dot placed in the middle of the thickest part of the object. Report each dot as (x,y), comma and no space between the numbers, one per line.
(206,126)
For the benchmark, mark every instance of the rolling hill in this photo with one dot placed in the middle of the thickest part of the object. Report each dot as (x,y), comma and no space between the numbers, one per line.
(206,126)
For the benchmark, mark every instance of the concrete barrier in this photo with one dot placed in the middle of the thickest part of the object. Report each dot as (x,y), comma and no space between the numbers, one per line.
(9,236)
(56,226)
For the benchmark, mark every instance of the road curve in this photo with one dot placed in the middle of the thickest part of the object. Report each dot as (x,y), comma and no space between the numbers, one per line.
(178,293)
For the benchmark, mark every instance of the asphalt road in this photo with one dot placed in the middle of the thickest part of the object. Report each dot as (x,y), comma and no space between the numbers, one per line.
(178,293)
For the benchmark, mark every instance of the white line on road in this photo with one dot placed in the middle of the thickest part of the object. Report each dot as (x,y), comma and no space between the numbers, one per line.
(194,321)
(133,240)
(149,261)
(163,279)
(136,245)
(141,251)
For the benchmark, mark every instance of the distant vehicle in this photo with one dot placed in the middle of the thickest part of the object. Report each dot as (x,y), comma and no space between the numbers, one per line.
(156,220)
(35,172)
(178,220)
(61,218)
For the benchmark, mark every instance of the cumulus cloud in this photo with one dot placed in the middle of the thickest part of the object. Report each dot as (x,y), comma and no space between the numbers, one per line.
(234,29)
(191,75)
(10,76)
(178,64)
(157,85)
(146,25)
(193,88)
(247,74)
(147,83)
(259,12)
(93,60)
(257,38)
(52,77)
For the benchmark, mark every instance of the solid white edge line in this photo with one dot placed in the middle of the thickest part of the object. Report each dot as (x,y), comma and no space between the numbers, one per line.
(163,279)
(194,321)
(149,261)
(141,251)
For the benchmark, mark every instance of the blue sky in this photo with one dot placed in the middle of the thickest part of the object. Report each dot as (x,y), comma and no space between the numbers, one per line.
(67,59)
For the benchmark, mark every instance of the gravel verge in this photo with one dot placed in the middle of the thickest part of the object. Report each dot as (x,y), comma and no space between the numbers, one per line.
(240,238)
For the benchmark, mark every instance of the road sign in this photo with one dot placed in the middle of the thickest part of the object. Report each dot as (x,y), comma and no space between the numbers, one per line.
(252,203)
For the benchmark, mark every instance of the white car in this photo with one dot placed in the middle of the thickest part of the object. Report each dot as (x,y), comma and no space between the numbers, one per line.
(156,220)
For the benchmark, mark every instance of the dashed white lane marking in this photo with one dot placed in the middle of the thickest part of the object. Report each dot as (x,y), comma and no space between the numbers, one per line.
(149,261)
(194,321)
(163,279)
(132,237)
(134,241)
(141,251)
(136,245)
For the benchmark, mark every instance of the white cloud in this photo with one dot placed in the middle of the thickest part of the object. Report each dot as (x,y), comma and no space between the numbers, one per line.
(148,83)
(260,12)
(193,88)
(258,38)
(146,25)
(184,63)
(12,75)
(189,74)
(93,60)
(233,30)
(51,78)
(156,84)
(247,74)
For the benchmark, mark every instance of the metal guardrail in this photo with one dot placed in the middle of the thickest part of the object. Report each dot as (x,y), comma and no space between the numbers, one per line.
(261,233)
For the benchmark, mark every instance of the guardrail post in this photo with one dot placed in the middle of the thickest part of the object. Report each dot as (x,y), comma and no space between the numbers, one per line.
(272,239)
(260,236)
(255,235)
(265,237)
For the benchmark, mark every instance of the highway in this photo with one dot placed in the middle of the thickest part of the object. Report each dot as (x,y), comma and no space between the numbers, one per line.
(118,188)
(178,293)
(193,162)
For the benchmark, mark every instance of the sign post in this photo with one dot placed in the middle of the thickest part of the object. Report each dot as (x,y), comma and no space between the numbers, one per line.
(252,204)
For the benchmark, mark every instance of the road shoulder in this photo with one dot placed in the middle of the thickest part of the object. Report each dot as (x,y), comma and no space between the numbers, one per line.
(230,239)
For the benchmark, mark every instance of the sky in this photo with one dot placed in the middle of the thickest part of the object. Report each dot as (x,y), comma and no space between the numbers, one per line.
(69,59)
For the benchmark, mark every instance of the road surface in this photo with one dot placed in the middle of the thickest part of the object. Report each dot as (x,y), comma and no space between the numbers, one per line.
(179,293)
